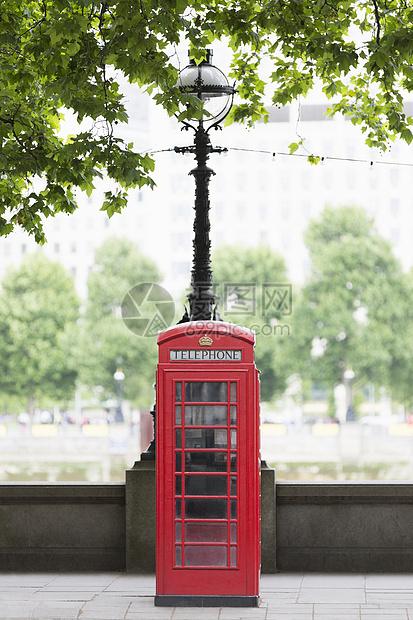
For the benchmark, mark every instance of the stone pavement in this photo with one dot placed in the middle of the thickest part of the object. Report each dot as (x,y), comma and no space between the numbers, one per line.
(285,596)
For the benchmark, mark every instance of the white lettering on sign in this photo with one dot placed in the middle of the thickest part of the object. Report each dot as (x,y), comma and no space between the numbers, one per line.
(205,355)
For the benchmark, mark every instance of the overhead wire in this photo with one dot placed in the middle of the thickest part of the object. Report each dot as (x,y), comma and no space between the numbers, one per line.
(319,158)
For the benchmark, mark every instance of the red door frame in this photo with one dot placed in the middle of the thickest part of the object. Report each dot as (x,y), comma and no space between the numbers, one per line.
(226,582)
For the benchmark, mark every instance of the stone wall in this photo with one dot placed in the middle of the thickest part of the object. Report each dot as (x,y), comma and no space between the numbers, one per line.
(345,526)
(53,526)
(359,527)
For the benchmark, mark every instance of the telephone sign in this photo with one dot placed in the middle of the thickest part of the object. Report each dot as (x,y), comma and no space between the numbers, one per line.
(207,467)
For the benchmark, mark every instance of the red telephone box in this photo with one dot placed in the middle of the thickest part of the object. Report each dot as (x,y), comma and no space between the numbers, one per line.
(207,467)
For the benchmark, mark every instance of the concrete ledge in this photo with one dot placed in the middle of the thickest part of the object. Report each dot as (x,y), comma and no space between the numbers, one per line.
(57,492)
(340,493)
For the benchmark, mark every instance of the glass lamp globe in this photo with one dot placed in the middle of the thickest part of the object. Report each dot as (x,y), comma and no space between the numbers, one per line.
(210,85)
(119,375)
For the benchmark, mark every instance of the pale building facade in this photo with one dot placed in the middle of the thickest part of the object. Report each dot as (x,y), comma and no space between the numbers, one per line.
(255,197)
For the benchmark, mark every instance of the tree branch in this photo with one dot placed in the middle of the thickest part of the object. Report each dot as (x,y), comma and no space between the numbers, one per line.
(377,16)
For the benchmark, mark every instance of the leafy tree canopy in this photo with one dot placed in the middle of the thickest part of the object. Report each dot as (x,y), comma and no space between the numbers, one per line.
(68,54)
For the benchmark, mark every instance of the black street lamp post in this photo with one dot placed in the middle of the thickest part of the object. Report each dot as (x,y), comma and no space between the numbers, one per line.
(209,84)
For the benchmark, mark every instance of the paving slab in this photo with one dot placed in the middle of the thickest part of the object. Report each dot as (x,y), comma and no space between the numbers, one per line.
(285,596)
(395,581)
(332,595)
(162,615)
(302,614)
(336,580)
(386,599)
(63,595)
(20,579)
(19,610)
(336,616)
(56,610)
(385,614)
(86,579)
(287,607)
(233,613)
(103,614)
(191,613)
(281,581)
(21,594)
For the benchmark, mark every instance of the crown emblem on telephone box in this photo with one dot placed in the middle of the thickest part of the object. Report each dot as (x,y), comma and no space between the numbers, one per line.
(205,341)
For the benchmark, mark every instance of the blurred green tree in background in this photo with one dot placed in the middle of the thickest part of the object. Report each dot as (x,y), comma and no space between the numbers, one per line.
(356,310)
(39,308)
(240,273)
(104,342)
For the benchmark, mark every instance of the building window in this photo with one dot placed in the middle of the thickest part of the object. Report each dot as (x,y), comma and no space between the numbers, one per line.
(314,112)
(328,178)
(24,248)
(56,248)
(394,206)
(241,210)
(178,240)
(285,211)
(179,269)
(306,181)
(178,211)
(179,183)
(285,179)
(285,240)
(219,210)
(241,180)
(73,247)
(279,115)
(374,206)
(351,178)
(263,181)
(394,235)
(263,210)
(373,177)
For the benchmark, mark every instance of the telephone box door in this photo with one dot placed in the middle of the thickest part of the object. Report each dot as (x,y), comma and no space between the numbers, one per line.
(209,525)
